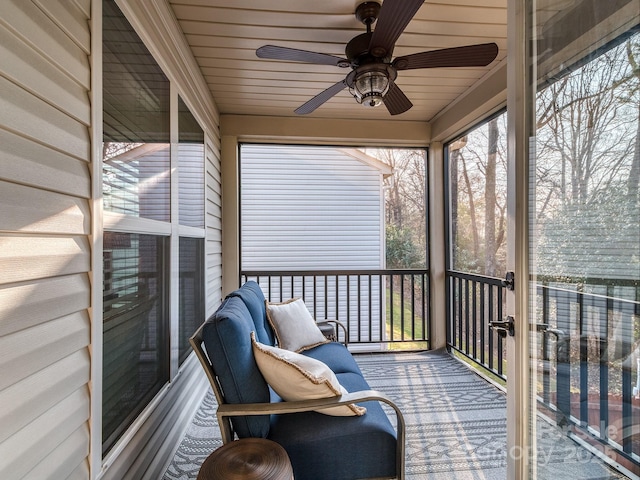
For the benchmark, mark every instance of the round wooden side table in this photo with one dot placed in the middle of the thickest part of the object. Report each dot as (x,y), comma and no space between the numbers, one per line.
(247,459)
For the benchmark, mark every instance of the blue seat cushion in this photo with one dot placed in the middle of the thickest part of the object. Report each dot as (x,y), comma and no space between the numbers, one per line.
(340,448)
(227,340)
(336,356)
(252,296)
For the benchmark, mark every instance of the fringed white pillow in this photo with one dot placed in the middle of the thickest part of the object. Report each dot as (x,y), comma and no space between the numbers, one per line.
(296,377)
(295,328)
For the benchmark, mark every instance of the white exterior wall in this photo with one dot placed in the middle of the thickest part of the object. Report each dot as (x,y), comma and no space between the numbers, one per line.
(309,208)
(49,418)
(306,208)
(213,224)
(45,188)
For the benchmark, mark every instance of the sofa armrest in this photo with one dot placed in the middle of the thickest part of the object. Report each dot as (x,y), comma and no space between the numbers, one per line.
(234,410)
(337,326)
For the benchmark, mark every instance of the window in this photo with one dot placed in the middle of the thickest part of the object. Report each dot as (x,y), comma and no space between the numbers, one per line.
(144,228)
(191,214)
(191,291)
(136,157)
(584,228)
(191,165)
(135,343)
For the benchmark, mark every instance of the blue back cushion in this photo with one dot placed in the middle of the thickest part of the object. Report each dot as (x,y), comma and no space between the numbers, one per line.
(252,296)
(227,339)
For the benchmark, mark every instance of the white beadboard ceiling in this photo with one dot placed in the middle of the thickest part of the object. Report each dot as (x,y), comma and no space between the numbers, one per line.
(224,35)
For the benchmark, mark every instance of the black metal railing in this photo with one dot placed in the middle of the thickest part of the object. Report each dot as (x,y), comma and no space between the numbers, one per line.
(588,368)
(474,301)
(587,345)
(376,306)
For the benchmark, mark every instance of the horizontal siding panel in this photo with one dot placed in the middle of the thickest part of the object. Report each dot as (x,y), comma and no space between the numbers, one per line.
(69,17)
(32,444)
(81,472)
(214,205)
(313,187)
(213,223)
(33,25)
(27,304)
(28,163)
(26,400)
(213,218)
(214,189)
(32,210)
(318,247)
(29,258)
(61,462)
(84,6)
(24,66)
(309,263)
(40,121)
(26,352)
(363,213)
(359,180)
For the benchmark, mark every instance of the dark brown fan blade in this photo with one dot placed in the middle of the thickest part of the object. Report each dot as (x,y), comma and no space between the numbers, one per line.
(468,56)
(294,55)
(396,101)
(319,99)
(394,17)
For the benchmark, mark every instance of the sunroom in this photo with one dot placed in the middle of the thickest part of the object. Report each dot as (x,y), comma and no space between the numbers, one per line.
(153,159)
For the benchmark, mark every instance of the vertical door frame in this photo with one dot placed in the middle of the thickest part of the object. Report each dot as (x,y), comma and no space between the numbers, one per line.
(521,455)
(95,422)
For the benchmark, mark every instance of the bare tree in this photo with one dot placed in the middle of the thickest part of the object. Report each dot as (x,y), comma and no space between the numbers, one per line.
(584,141)
(479,164)
(472,207)
(405,199)
(588,167)
(490,201)
(633,184)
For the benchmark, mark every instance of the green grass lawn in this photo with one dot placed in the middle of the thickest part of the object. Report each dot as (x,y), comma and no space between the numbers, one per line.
(398,329)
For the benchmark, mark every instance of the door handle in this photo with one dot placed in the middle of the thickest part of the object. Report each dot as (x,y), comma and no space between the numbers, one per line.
(504,327)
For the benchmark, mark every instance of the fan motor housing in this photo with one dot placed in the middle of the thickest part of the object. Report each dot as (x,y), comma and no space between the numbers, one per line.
(358,47)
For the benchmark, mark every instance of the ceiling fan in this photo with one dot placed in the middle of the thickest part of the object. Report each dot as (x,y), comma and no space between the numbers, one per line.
(373,73)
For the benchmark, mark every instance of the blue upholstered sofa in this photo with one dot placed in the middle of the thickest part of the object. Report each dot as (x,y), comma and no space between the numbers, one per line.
(320,446)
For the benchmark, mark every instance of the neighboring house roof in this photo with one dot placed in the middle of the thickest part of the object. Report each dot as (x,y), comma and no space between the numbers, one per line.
(359,155)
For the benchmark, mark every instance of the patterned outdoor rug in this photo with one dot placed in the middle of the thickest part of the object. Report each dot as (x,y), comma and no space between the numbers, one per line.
(456,423)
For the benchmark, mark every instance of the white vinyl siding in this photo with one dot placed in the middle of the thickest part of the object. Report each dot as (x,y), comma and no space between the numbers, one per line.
(213,225)
(44,245)
(309,208)
(314,208)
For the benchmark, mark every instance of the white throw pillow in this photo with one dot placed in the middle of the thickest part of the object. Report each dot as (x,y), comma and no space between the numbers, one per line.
(296,377)
(295,328)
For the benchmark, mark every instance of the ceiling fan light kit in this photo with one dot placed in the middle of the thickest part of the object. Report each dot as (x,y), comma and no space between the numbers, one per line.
(370,83)
(372,78)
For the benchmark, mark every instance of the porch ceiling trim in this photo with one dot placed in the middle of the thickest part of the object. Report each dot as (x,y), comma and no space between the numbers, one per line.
(486,97)
(325,131)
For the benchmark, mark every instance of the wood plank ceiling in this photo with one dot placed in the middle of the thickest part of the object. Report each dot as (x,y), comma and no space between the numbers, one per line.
(224,35)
